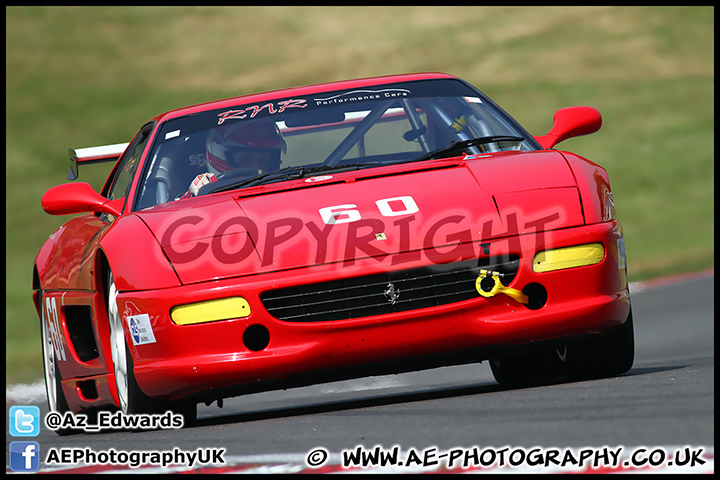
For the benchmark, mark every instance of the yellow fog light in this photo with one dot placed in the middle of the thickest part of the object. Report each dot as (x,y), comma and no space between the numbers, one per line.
(569,257)
(210,311)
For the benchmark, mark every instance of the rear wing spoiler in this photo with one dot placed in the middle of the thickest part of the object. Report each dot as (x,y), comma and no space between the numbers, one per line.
(86,156)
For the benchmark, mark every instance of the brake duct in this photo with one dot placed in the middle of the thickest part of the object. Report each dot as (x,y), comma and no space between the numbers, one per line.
(488,285)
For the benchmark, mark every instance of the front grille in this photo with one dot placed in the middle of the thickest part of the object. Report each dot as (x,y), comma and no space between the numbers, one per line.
(373,294)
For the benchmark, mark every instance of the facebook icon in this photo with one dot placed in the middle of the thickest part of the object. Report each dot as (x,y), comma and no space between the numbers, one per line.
(24,456)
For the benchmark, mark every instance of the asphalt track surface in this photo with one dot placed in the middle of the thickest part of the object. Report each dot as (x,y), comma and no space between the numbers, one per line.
(665,401)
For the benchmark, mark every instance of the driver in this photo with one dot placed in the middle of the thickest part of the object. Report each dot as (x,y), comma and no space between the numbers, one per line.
(251,148)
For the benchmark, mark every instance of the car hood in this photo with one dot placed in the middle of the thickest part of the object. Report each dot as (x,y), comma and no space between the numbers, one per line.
(378,212)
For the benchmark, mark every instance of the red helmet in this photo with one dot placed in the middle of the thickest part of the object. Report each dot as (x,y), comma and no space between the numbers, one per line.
(256,143)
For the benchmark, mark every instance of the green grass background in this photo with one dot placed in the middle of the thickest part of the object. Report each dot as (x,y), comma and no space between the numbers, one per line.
(87,76)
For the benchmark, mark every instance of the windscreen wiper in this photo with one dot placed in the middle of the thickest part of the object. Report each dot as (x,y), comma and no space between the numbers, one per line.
(288,173)
(339,168)
(455,146)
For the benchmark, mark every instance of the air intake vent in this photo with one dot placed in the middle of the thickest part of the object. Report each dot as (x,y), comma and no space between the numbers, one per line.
(384,293)
(82,336)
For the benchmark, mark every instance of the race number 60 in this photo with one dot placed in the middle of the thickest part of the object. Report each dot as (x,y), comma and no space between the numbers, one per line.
(53,320)
(388,207)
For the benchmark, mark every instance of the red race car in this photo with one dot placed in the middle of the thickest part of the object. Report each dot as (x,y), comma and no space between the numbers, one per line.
(327,232)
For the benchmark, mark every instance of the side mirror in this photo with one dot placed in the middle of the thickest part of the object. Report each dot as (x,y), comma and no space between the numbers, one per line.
(571,122)
(71,198)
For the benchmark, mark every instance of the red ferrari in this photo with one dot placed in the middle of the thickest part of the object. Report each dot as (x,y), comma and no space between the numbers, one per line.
(327,232)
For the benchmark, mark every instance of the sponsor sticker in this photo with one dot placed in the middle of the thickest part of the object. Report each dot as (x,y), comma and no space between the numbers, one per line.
(140,329)
(318,178)
(172,134)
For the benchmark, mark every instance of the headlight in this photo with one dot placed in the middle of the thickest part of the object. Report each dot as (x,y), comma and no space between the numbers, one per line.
(210,311)
(568,257)
(609,213)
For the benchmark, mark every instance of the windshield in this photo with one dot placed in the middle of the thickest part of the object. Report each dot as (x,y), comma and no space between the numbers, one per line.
(343,130)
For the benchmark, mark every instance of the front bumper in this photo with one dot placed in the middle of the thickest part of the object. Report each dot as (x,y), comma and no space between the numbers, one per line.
(211,360)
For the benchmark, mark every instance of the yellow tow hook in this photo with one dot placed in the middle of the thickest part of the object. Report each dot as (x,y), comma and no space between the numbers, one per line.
(488,285)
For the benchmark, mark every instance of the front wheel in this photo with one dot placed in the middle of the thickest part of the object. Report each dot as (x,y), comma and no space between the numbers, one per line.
(527,370)
(600,357)
(609,356)
(53,379)
(131,398)
(55,397)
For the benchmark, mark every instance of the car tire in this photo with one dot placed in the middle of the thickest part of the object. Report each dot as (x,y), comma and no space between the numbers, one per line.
(53,379)
(132,400)
(603,357)
(530,369)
